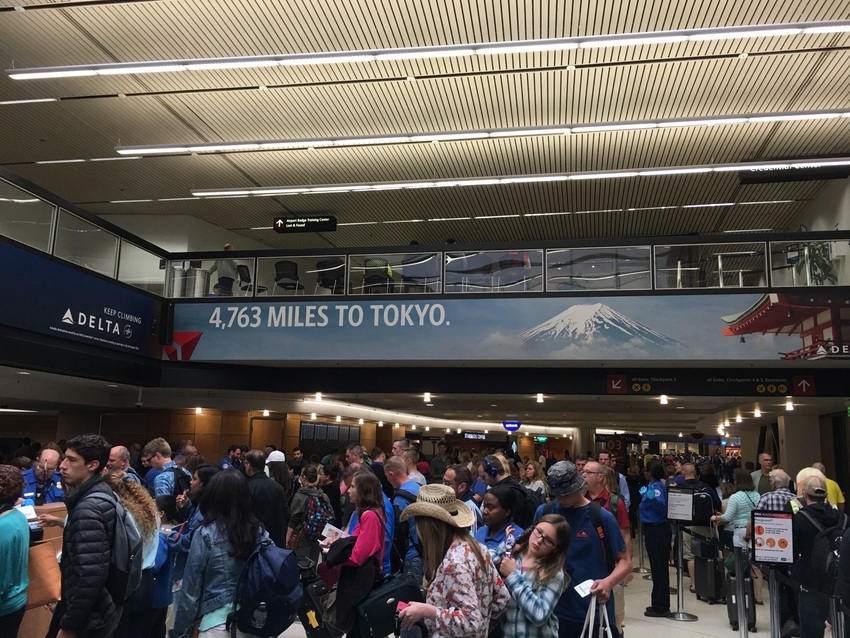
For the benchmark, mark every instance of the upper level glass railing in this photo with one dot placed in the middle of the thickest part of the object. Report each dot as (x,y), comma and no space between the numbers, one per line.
(798,260)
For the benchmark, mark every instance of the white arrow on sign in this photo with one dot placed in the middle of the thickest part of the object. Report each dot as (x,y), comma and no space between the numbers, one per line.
(615,385)
(278,223)
(803,384)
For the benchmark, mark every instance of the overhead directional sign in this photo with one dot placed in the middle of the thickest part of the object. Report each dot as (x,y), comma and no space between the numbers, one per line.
(305,224)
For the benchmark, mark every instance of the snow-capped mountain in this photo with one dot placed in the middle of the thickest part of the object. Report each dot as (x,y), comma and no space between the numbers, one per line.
(586,323)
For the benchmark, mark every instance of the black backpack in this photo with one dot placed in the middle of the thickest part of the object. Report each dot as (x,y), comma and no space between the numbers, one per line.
(401,534)
(826,550)
(182,480)
(125,556)
(528,501)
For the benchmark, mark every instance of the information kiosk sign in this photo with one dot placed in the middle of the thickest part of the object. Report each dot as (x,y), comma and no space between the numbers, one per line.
(773,537)
(680,504)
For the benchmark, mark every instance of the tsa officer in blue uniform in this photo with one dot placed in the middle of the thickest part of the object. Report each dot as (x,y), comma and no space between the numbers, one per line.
(43,483)
(657,536)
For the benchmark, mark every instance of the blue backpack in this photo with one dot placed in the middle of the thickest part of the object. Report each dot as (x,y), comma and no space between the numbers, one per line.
(268,593)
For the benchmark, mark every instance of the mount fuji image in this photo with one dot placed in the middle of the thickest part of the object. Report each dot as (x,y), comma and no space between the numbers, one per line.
(589,324)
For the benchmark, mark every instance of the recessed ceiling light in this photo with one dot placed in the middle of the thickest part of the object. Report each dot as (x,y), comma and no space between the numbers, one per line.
(265,412)
(312,416)
(663,399)
(338,419)
(427,397)
(430,405)
(739,419)
(111,385)
(380,424)
(789,404)
(199,411)
(318,396)
(360,421)
(757,413)
(540,397)
(23,372)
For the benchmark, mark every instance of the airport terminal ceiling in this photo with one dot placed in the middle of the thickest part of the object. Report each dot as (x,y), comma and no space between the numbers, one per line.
(756,97)
(44,392)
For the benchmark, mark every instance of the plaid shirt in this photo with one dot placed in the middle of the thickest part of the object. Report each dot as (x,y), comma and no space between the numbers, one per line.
(775,501)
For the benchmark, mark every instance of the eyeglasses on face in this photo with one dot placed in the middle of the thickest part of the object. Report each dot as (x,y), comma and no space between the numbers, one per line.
(588,472)
(543,538)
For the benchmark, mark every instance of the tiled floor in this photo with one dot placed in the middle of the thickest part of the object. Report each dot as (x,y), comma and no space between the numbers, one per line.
(712,619)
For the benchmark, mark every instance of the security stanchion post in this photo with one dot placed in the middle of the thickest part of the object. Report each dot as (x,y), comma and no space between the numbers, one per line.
(740,592)
(680,614)
(775,611)
(640,569)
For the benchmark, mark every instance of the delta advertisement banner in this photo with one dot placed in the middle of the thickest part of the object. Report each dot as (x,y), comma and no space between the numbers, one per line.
(734,327)
(46,297)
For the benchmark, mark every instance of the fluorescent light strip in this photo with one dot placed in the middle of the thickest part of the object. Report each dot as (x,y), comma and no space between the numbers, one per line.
(435,52)
(274,191)
(28,101)
(456,136)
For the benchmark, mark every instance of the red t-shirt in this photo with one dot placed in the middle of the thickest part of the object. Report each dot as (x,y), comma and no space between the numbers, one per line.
(604,499)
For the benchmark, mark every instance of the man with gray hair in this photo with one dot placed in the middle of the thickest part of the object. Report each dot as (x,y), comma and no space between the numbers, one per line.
(119,459)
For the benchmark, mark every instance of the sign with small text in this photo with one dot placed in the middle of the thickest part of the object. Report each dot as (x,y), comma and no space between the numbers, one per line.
(305,224)
(773,537)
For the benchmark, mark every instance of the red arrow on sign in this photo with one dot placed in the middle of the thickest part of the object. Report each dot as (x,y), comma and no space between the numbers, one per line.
(803,386)
(616,384)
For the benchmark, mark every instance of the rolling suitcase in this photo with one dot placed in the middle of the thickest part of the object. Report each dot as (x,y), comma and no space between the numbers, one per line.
(312,608)
(377,612)
(708,579)
(732,602)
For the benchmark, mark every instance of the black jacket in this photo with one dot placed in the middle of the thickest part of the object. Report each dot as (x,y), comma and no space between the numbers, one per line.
(803,571)
(270,506)
(86,606)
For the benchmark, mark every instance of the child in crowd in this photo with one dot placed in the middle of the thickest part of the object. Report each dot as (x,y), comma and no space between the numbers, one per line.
(534,575)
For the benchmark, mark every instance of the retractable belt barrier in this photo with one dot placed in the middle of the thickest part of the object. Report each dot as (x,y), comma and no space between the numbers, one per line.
(838,613)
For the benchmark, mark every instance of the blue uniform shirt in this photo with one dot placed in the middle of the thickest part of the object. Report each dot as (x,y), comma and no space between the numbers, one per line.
(52,490)
(653,505)
(492,541)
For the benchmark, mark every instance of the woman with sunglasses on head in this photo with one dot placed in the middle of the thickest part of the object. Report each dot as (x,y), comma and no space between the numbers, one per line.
(534,575)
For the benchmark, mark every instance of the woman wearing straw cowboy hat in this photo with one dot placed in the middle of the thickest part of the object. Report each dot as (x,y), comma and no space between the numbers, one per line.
(464,589)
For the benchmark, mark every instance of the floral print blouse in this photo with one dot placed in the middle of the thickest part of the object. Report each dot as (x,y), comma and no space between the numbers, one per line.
(465,595)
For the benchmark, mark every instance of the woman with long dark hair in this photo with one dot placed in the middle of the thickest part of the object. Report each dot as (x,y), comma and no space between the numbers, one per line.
(220,547)
(189,506)
(279,472)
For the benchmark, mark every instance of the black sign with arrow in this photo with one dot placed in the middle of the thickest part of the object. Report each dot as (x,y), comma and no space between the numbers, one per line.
(305,224)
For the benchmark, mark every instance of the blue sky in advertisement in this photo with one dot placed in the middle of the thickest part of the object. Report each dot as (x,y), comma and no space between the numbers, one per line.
(598,328)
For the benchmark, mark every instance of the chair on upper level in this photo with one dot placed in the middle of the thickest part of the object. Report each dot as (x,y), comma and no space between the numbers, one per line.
(330,274)
(286,276)
(245,284)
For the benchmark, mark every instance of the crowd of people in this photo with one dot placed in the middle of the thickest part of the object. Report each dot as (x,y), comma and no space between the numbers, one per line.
(497,542)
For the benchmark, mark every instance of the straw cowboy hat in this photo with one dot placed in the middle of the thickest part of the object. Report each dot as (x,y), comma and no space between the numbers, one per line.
(439,501)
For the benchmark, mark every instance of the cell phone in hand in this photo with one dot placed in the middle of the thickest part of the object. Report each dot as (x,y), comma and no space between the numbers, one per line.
(402,605)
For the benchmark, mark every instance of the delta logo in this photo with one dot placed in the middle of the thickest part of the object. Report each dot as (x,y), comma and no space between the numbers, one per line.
(93,322)
(182,346)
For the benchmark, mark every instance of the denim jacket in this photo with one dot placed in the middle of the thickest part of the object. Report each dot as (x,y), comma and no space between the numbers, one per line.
(210,578)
